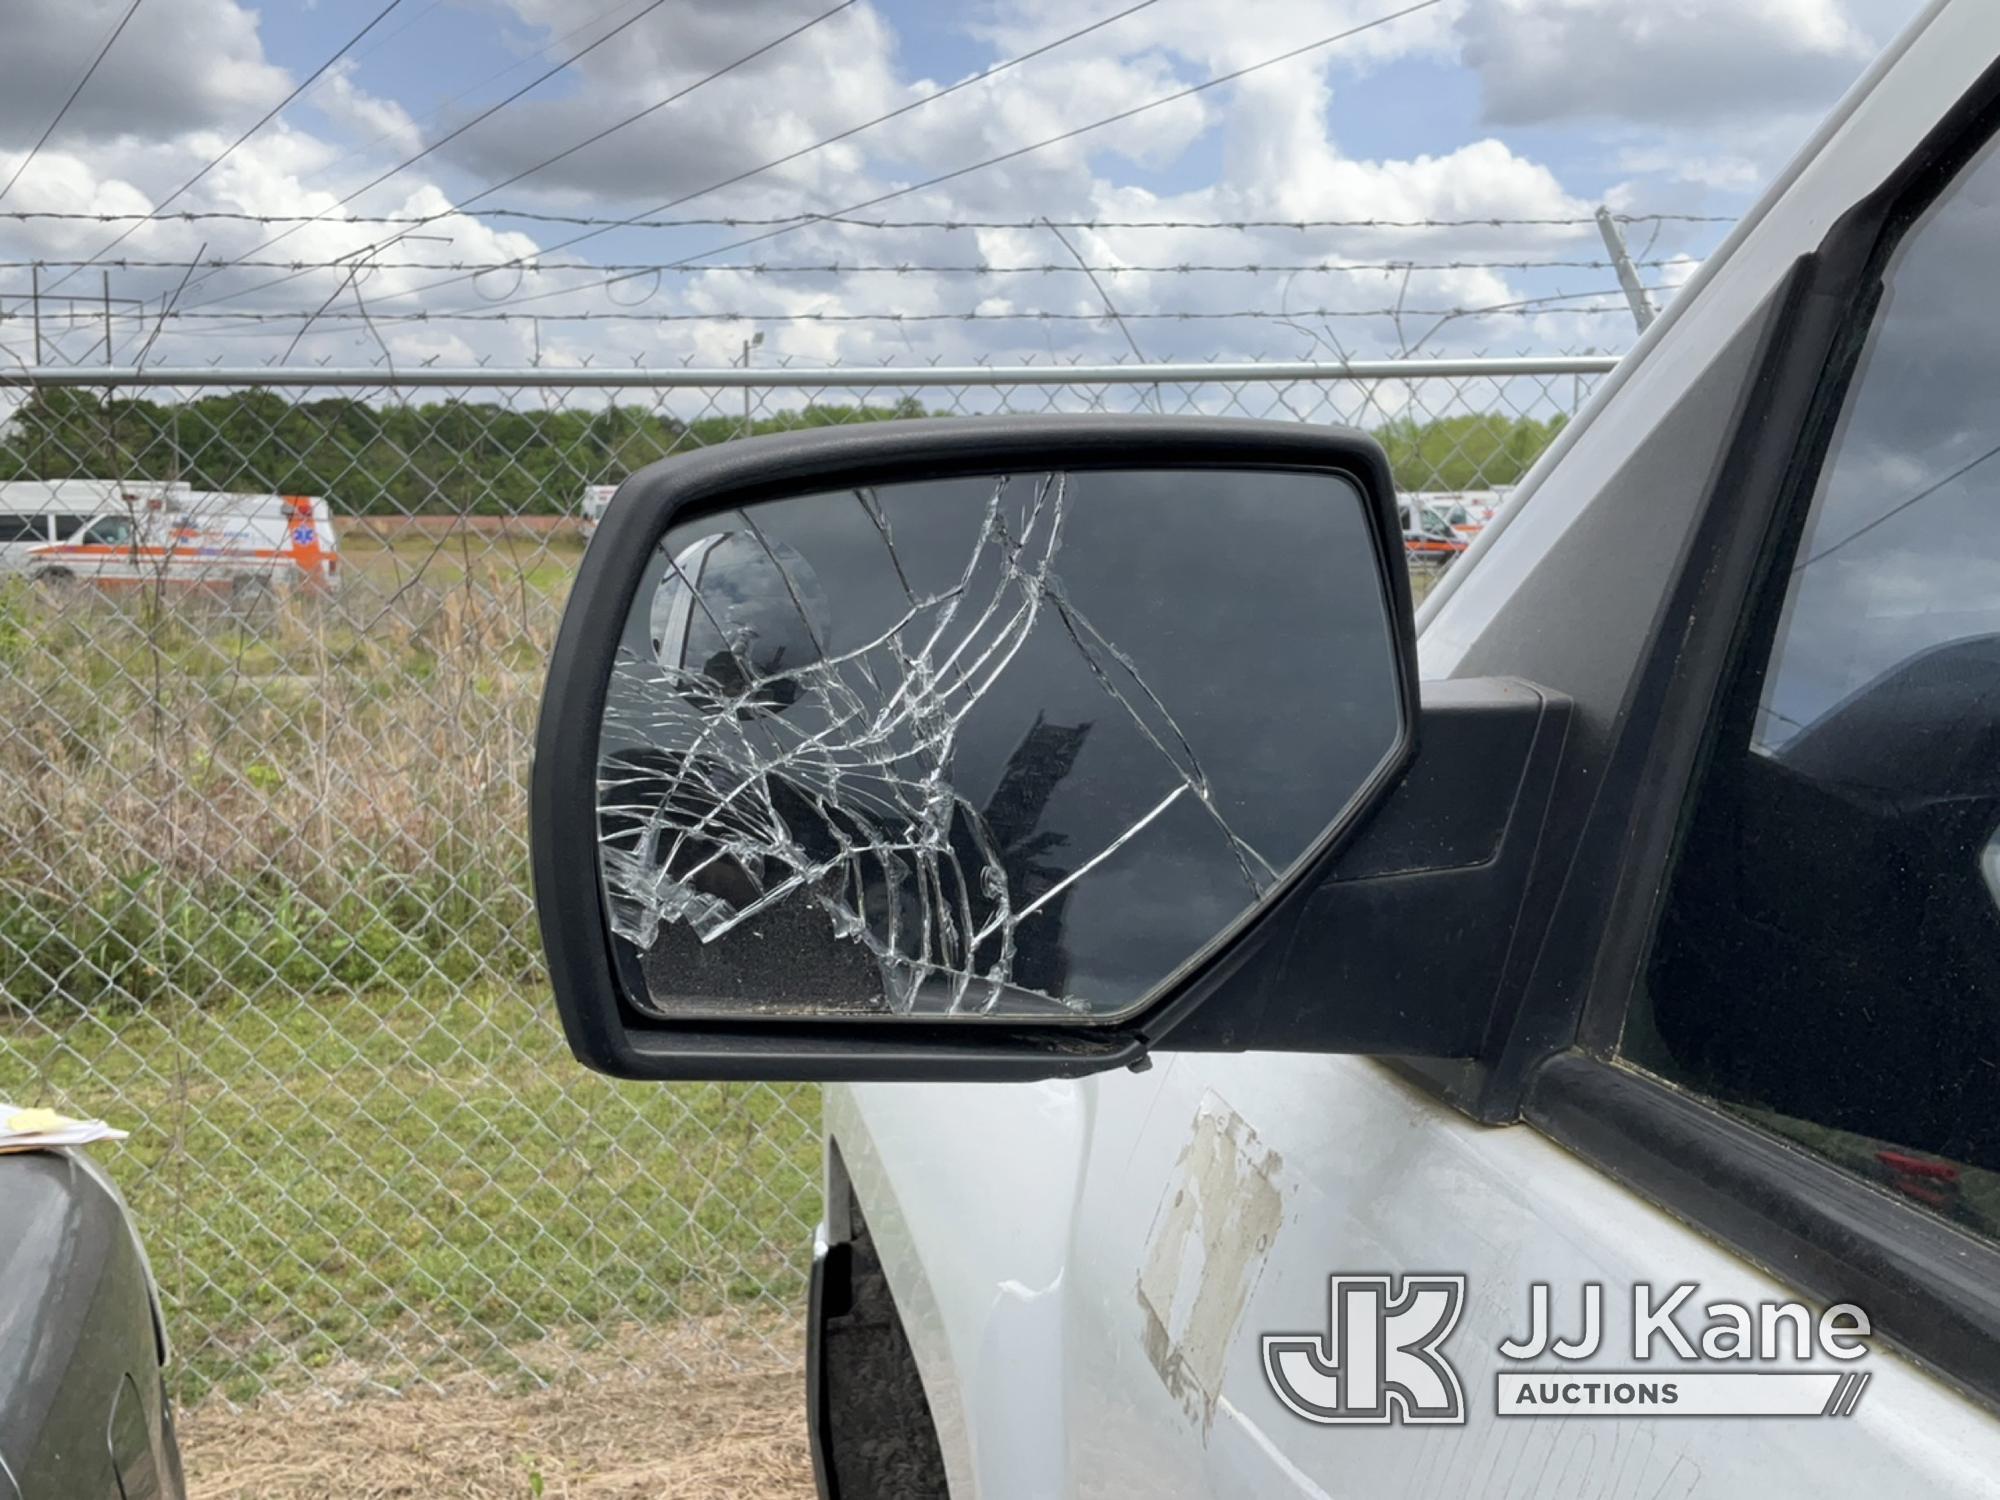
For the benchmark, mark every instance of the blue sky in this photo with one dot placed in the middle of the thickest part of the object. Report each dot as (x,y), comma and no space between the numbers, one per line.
(1470,108)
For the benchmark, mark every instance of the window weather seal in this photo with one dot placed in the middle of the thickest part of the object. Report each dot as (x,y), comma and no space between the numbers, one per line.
(1929,1288)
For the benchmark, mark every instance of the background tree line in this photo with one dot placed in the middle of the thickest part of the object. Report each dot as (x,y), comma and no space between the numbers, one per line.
(489,458)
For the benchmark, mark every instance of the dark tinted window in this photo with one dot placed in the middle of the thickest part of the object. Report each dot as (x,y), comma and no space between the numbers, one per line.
(24,528)
(68,526)
(1829,956)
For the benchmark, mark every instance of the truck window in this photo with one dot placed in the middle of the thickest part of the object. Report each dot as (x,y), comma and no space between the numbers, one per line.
(1827,962)
(109,531)
(24,528)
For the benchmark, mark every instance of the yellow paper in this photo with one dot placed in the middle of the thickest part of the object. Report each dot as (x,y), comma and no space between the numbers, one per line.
(29,1121)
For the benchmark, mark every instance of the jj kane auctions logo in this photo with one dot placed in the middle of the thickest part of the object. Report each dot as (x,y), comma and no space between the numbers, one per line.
(1381,1357)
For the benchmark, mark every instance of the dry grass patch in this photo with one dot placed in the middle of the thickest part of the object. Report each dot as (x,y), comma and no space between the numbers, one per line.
(732,1425)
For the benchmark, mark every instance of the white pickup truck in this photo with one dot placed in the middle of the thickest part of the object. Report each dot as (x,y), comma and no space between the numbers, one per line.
(1278,1045)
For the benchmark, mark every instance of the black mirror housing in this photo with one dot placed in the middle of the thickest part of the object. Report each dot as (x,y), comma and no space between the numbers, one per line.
(696,618)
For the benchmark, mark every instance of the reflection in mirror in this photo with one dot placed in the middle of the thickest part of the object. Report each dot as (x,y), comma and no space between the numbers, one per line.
(1016,746)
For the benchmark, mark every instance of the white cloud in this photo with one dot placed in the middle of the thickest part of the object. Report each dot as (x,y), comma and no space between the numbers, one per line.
(169,101)
(1280,141)
(377,121)
(1722,170)
(817,83)
(1665,60)
(184,66)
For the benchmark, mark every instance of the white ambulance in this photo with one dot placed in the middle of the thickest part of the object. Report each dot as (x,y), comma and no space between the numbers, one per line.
(37,512)
(210,540)
(596,498)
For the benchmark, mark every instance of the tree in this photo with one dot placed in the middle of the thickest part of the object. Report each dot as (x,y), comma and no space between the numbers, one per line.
(1478,451)
(451,456)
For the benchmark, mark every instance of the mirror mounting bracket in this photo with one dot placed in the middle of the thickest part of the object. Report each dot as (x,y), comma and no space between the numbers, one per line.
(1415,938)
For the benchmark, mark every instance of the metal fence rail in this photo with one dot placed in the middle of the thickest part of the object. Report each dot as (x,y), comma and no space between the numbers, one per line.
(263,875)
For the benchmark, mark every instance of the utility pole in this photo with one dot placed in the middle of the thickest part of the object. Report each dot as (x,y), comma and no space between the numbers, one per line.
(107,317)
(35,282)
(1628,277)
(748,344)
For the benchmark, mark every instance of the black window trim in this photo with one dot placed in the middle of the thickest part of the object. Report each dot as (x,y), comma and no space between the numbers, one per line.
(1930,1288)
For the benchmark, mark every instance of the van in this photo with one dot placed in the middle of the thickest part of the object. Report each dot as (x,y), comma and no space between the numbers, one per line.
(1430,541)
(1467,512)
(596,498)
(37,512)
(205,540)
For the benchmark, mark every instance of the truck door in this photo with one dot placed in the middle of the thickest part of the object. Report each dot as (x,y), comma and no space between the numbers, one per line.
(1756,1050)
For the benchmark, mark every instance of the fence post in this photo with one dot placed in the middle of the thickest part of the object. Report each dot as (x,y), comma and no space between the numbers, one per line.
(1628,277)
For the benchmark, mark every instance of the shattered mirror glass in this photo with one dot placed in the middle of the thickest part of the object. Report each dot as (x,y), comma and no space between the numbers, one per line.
(1018,746)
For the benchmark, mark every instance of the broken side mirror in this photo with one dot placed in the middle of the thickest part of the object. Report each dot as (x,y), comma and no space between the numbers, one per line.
(962,749)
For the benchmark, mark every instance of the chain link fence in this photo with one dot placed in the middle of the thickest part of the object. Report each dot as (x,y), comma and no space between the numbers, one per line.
(264,895)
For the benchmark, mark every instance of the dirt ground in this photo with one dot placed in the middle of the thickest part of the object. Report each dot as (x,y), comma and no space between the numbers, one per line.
(732,1427)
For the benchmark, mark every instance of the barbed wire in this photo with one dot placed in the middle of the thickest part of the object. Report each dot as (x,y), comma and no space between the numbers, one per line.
(266,118)
(723,71)
(970,315)
(681,199)
(852,222)
(1016,153)
(844,268)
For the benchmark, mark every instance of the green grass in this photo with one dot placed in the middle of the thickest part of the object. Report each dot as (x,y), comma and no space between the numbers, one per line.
(146,938)
(421,1185)
(547,563)
(264,903)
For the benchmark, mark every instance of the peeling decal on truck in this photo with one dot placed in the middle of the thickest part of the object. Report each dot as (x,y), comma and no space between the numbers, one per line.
(1205,1251)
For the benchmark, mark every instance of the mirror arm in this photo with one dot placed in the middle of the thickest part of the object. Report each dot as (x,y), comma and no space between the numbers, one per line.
(1410,940)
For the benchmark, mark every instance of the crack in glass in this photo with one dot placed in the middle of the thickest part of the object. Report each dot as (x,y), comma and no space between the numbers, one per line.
(744,763)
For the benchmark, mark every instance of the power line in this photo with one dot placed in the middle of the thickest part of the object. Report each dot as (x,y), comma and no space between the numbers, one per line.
(269,115)
(102,52)
(459,207)
(881,119)
(592,140)
(803,151)
(1902,505)
(991,161)
(450,136)
(387,37)
(673,98)
(470,89)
